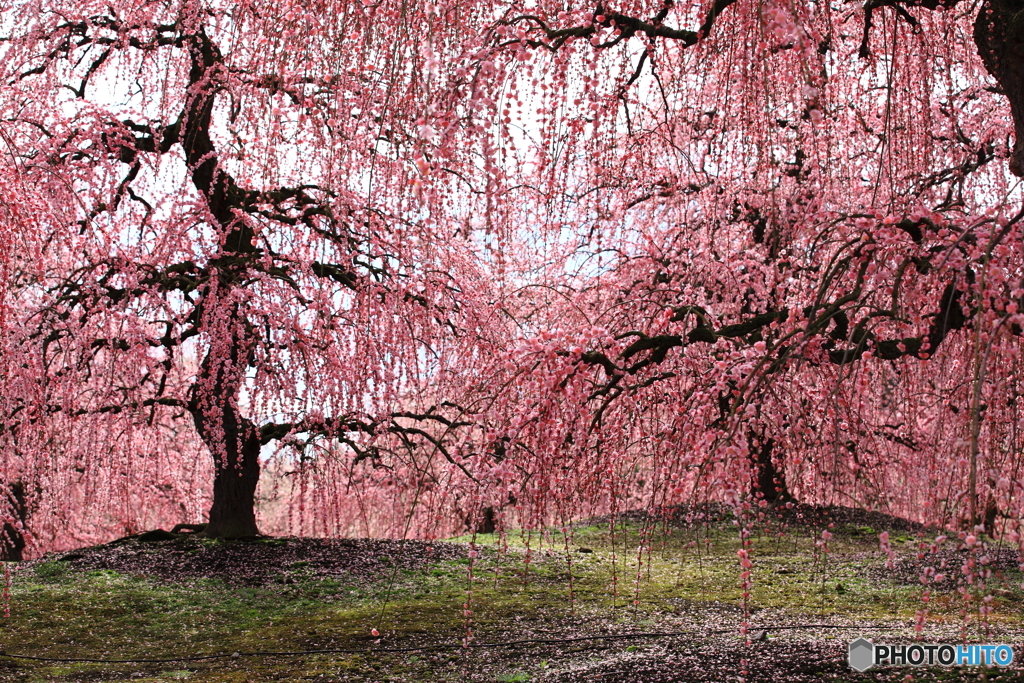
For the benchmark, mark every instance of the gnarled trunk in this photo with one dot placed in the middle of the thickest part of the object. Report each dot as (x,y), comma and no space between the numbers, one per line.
(999,35)
(12,538)
(769,482)
(232,439)
(236,469)
(233,513)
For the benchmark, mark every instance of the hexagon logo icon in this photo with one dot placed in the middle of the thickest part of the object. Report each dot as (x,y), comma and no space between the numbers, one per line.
(862,654)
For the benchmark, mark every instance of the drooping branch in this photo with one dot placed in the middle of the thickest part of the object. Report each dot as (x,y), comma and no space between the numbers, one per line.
(626,27)
(949,317)
(654,349)
(340,428)
(320,426)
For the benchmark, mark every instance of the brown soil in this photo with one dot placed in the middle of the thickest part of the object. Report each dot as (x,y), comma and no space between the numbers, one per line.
(255,562)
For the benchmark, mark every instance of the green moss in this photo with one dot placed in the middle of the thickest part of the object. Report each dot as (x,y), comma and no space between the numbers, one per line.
(58,611)
(52,571)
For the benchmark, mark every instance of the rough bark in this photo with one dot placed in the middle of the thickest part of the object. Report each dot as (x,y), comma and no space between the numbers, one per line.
(232,439)
(233,513)
(236,472)
(999,35)
(487,525)
(769,482)
(12,538)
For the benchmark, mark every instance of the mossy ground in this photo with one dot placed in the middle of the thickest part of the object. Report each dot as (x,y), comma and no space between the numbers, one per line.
(684,580)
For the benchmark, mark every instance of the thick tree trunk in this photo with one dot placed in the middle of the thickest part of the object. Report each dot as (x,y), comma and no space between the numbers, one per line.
(992,513)
(769,483)
(485,525)
(236,473)
(232,439)
(233,513)
(999,35)
(12,540)
(236,470)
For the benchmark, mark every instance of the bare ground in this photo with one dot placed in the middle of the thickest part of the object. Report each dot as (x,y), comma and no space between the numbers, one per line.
(258,561)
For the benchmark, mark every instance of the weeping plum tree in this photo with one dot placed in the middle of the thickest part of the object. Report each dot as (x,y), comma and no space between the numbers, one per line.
(226,230)
(780,258)
(795,261)
(538,258)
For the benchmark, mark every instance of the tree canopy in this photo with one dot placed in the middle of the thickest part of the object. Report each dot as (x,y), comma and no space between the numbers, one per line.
(446,264)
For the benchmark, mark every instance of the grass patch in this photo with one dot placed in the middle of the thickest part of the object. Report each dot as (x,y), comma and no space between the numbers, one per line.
(629,581)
